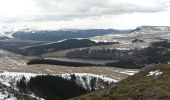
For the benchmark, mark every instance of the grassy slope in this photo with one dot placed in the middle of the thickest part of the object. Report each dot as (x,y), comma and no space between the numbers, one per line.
(137,87)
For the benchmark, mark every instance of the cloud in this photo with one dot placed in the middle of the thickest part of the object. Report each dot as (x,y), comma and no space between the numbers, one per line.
(71,9)
(84,13)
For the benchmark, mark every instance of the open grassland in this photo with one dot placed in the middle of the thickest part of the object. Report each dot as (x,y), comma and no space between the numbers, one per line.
(152,83)
(115,73)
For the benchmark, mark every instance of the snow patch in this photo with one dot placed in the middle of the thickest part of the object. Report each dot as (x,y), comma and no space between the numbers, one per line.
(123,48)
(103,40)
(6,84)
(6,96)
(155,73)
(129,72)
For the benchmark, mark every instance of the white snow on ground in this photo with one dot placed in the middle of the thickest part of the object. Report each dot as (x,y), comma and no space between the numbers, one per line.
(5,83)
(9,79)
(105,41)
(129,72)
(12,77)
(123,48)
(84,80)
(155,73)
(145,33)
(7,96)
(37,98)
(121,38)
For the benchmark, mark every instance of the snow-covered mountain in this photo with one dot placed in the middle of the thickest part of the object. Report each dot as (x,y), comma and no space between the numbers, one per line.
(57,35)
(6,31)
(44,34)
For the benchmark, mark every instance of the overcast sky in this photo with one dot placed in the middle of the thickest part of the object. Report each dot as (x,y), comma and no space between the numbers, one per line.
(121,14)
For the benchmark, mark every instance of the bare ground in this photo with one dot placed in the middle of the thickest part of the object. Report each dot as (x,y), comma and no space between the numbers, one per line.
(115,73)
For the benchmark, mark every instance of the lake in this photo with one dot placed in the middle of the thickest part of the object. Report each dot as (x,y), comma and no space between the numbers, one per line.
(81,60)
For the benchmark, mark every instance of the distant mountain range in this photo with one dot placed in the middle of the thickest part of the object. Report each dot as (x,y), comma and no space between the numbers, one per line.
(56,35)
(53,35)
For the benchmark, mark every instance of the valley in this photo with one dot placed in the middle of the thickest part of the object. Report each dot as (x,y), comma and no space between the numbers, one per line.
(84,50)
(94,63)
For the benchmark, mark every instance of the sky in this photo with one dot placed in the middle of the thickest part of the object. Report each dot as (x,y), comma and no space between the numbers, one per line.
(85,14)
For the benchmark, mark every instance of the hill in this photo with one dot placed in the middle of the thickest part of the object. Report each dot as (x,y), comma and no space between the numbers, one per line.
(8,59)
(152,29)
(31,86)
(152,83)
(59,45)
(56,35)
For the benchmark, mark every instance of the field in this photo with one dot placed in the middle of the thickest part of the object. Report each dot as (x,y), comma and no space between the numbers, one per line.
(115,73)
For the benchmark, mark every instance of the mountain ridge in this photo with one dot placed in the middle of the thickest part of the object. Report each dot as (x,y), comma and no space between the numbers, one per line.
(44,34)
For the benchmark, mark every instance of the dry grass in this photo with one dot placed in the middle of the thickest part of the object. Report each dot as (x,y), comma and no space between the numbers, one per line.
(137,87)
(111,72)
(15,63)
